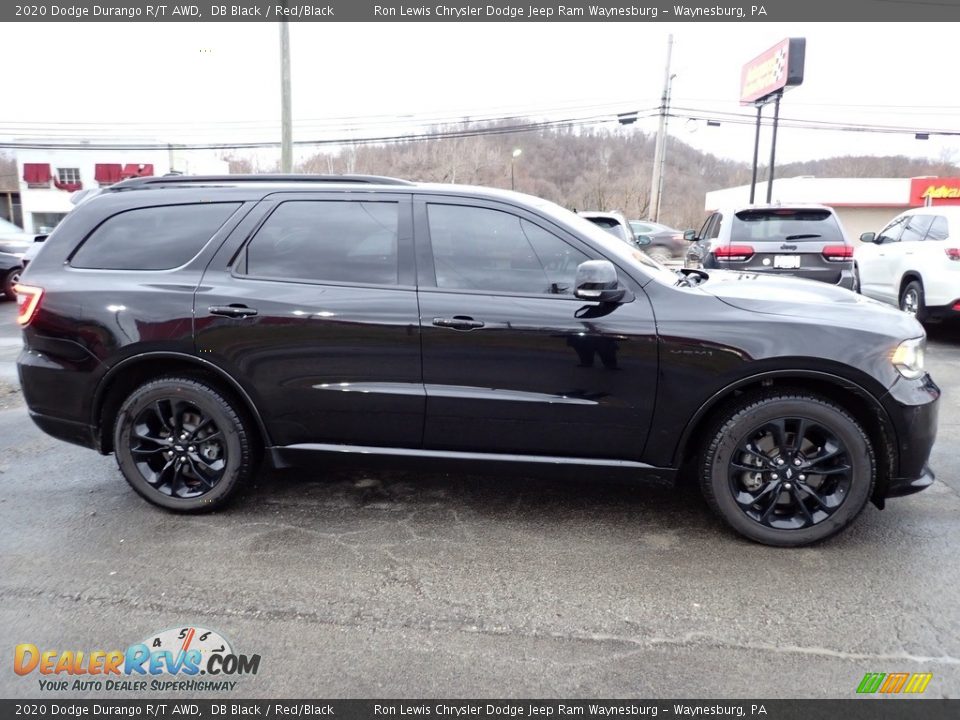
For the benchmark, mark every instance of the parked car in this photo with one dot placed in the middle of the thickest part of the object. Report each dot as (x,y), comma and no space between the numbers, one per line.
(614,223)
(13,243)
(804,241)
(666,243)
(914,263)
(290,317)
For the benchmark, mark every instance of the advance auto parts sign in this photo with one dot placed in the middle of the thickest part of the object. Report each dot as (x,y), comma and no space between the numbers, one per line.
(934,191)
(779,68)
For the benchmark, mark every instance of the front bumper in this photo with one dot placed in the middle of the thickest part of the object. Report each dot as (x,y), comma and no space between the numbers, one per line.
(913,408)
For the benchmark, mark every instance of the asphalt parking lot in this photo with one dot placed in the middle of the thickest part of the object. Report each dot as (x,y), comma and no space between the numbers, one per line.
(362,583)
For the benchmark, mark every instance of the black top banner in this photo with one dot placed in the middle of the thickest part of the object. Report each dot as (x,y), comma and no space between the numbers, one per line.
(488,11)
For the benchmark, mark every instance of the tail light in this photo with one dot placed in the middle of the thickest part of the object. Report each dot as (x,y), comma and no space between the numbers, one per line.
(838,253)
(28,300)
(952,253)
(734,252)
(956,306)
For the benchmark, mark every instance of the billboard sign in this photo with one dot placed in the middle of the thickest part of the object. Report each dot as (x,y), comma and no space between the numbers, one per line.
(934,191)
(773,71)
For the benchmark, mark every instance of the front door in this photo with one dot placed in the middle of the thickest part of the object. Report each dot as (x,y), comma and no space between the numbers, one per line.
(512,362)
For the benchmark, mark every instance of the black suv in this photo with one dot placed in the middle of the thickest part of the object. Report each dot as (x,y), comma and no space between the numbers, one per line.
(194,326)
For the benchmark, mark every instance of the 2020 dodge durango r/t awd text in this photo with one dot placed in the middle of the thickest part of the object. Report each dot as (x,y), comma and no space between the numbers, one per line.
(194,326)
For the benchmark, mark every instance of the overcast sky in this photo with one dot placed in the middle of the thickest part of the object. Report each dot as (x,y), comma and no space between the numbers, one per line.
(219,82)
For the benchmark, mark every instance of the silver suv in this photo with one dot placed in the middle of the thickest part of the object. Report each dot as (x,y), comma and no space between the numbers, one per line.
(805,241)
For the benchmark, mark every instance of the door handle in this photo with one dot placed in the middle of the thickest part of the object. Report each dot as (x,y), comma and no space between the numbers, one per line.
(458,322)
(233,311)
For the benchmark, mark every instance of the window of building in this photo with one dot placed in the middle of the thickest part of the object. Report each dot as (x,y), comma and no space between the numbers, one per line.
(153,238)
(483,249)
(45,222)
(327,241)
(68,175)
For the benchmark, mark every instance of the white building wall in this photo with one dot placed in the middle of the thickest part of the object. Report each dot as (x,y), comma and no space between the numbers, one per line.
(52,200)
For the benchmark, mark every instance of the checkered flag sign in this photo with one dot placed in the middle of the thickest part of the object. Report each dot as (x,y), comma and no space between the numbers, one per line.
(780,64)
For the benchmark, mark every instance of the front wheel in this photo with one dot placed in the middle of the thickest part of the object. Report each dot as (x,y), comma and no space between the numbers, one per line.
(659,253)
(912,300)
(787,469)
(11,278)
(182,445)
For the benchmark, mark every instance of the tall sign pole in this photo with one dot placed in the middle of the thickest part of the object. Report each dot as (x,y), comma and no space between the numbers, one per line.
(764,79)
(286,120)
(655,182)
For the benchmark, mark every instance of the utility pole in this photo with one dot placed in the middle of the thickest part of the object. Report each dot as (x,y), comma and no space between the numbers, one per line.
(656,182)
(286,122)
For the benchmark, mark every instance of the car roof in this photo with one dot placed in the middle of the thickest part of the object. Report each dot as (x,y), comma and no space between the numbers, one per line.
(952,211)
(777,206)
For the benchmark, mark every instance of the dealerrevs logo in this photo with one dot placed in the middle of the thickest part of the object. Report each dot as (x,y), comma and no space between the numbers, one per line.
(169,660)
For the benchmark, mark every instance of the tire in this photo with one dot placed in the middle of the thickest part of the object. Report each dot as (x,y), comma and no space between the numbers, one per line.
(217,460)
(11,278)
(856,280)
(659,253)
(912,300)
(837,497)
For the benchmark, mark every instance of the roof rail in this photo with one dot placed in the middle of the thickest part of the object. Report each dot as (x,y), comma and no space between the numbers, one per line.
(143,182)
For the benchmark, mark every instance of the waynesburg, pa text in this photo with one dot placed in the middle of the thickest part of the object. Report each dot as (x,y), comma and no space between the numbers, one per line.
(514,12)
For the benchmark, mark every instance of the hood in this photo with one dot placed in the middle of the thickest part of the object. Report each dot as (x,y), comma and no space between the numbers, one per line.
(796,297)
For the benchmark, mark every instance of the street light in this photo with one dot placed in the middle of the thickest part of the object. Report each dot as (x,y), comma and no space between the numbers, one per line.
(517,152)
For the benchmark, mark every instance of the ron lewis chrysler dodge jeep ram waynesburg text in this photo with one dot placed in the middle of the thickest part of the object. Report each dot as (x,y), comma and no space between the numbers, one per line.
(195,326)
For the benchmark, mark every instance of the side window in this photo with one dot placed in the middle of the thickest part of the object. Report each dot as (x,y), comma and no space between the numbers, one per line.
(703,234)
(938,228)
(483,249)
(327,241)
(891,233)
(916,228)
(153,238)
(713,232)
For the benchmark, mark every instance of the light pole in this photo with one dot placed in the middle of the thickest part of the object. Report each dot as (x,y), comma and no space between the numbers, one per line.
(517,152)
(286,122)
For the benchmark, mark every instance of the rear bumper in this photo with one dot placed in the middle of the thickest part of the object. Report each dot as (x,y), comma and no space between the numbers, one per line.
(944,312)
(66,430)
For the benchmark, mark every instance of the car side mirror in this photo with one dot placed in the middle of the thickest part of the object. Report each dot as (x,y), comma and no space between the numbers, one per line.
(868,237)
(690,235)
(641,240)
(597,281)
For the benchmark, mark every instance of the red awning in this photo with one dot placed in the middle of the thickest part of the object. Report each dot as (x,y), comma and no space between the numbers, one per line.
(105,173)
(133,170)
(36,173)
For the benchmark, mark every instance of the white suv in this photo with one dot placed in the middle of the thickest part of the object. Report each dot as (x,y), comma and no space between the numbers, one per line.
(914,262)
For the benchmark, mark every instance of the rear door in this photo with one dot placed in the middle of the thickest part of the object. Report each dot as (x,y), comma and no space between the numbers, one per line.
(513,363)
(313,308)
(805,243)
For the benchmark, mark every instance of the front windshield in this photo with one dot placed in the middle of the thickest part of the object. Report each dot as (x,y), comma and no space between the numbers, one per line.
(611,245)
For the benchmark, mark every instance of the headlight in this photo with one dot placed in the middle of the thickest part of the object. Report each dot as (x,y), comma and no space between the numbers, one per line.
(908,358)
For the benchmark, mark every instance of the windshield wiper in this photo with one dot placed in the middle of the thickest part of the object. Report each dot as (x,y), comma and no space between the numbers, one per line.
(807,236)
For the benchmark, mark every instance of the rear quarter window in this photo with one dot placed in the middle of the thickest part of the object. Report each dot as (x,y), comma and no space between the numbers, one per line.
(153,238)
(786,224)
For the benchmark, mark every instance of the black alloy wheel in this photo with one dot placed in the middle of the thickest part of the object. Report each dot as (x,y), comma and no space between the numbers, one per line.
(790,473)
(787,469)
(182,445)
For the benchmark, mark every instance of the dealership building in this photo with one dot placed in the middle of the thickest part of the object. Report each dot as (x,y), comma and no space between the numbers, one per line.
(48,177)
(863,204)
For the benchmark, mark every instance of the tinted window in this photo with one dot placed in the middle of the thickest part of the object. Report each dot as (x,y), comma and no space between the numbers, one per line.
(891,233)
(713,226)
(938,228)
(794,225)
(481,249)
(328,241)
(916,228)
(154,238)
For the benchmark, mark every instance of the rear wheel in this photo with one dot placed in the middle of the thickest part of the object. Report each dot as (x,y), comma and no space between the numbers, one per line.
(912,300)
(182,445)
(856,279)
(11,278)
(787,469)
